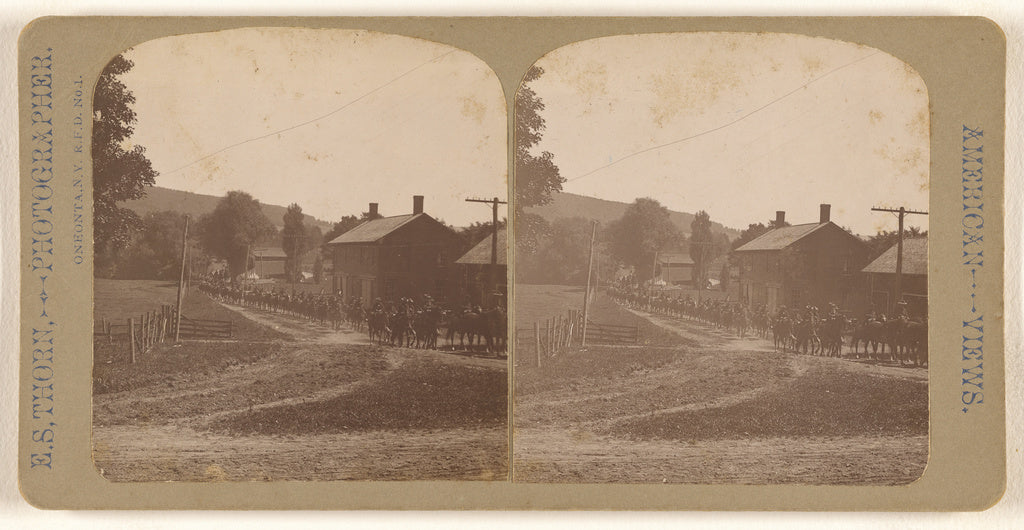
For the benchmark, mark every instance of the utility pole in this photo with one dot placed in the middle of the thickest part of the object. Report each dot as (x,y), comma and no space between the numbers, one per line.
(493,274)
(181,280)
(901,212)
(586,294)
(654,270)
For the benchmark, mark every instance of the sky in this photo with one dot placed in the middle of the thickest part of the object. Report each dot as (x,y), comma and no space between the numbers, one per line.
(740,125)
(329,119)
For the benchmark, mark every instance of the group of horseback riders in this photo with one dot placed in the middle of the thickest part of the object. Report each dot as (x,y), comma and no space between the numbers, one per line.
(805,330)
(403,322)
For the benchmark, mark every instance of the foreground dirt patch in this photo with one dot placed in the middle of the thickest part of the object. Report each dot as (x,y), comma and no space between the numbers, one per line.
(168,452)
(557,456)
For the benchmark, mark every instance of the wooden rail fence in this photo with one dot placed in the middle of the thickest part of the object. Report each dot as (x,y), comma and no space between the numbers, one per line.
(560,333)
(155,327)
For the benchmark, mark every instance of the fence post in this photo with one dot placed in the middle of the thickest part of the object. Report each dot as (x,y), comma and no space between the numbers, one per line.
(549,329)
(131,336)
(536,337)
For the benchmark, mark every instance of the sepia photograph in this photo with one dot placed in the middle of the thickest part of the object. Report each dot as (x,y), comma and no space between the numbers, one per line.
(721,263)
(300,260)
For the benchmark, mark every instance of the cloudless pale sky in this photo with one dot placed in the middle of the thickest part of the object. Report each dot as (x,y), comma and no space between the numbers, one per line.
(329,119)
(740,125)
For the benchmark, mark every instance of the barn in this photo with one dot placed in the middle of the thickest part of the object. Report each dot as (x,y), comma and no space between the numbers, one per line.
(675,267)
(268,262)
(476,266)
(402,256)
(806,264)
(881,278)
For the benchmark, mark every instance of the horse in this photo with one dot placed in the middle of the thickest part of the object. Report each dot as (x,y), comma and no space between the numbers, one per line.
(377,325)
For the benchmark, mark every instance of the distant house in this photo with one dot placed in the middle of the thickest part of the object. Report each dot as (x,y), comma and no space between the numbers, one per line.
(476,266)
(881,278)
(806,264)
(268,262)
(395,257)
(676,267)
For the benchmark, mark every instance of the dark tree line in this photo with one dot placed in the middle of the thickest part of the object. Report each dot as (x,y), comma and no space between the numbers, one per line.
(119,174)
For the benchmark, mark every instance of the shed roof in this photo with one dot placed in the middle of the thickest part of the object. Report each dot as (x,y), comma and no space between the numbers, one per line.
(675,258)
(373,230)
(480,254)
(269,253)
(780,238)
(915,258)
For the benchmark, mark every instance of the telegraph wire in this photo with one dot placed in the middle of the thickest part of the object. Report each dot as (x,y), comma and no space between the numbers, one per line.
(719,128)
(313,120)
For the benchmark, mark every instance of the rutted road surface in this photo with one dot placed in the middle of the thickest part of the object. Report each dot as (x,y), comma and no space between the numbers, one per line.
(177,428)
(716,410)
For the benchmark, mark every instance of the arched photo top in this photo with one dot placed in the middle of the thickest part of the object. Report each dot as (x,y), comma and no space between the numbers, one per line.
(739,124)
(330,119)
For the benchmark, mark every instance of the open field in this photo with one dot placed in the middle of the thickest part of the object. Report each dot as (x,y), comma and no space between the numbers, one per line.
(298,402)
(118,300)
(535,303)
(697,405)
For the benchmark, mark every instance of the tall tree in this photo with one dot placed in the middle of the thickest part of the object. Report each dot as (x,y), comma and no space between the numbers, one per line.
(477,232)
(536,175)
(293,241)
(885,239)
(155,250)
(644,229)
(234,226)
(701,243)
(119,174)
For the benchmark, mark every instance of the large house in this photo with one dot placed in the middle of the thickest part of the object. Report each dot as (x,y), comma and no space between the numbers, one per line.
(806,264)
(881,278)
(476,266)
(403,256)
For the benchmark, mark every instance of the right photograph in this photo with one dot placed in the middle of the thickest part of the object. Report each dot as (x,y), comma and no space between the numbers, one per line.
(720,263)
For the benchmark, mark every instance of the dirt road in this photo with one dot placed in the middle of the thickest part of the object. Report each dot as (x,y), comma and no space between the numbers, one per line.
(717,409)
(323,404)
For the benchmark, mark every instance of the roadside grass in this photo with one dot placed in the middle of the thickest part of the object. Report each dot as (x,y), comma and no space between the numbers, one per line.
(167,363)
(299,374)
(419,394)
(826,401)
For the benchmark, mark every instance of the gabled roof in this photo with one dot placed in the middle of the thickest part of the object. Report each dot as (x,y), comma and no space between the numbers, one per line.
(679,257)
(372,231)
(915,258)
(781,238)
(480,254)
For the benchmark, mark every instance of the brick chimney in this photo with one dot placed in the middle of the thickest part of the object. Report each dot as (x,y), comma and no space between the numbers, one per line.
(824,217)
(417,204)
(373,209)
(780,218)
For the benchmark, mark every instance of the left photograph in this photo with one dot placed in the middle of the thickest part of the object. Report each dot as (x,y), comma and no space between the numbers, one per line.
(300,260)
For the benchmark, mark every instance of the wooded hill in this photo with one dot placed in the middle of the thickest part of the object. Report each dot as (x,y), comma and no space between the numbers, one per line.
(195,204)
(566,205)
